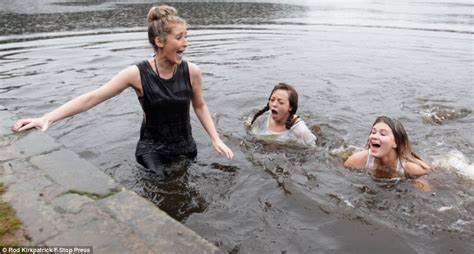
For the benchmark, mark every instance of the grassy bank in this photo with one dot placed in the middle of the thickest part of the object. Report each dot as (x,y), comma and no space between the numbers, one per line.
(11,233)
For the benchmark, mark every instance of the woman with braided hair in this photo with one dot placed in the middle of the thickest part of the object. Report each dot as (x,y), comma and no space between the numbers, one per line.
(166,85)
(280,121)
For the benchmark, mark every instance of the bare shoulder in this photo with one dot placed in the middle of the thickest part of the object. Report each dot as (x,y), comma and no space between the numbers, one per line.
(130,73)
(195,76)
(133,70)
(414,169)
(131,77)
(194,69)
(357,160)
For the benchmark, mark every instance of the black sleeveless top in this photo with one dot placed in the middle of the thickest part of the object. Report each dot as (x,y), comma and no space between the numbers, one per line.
(166,127)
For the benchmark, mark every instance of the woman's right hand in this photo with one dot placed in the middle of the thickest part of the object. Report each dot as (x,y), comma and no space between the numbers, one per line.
(29,123)
(423,185)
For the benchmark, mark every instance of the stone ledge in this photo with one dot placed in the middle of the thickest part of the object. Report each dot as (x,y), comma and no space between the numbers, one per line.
(74,173)
(64,200)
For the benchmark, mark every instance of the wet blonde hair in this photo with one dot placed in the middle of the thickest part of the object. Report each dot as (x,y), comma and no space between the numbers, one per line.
(160,18)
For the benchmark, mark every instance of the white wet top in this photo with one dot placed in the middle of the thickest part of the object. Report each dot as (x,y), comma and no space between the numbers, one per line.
(299,132)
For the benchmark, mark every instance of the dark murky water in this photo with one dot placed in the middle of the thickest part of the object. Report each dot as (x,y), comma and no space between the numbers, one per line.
(350,62)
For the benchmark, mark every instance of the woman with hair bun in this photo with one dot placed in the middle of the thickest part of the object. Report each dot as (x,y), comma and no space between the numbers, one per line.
(166,86)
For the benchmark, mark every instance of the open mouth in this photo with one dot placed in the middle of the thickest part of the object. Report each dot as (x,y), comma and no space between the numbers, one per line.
(274,112)
(375,145)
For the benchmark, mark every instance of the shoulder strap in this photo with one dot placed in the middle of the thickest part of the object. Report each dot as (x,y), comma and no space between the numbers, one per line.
(370,160)
(143,66)
(400,168)
(187,76)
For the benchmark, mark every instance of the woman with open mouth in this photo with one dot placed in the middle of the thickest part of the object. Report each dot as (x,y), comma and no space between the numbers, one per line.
(388,153)
(166,86)
(280,123)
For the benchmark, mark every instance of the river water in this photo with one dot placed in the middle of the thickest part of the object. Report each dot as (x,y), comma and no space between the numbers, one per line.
(350,61)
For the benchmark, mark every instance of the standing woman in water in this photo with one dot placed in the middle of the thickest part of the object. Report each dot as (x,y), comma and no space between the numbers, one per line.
(388,153)
(166,85)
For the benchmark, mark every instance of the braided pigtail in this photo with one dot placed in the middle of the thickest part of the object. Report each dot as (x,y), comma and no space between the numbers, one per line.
(289,121)
(259,113)
(292,119)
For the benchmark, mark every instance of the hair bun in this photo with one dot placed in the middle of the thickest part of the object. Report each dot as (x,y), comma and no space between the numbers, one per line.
(161,12)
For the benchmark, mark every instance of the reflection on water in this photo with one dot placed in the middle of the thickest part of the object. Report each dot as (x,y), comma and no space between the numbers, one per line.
(350,62)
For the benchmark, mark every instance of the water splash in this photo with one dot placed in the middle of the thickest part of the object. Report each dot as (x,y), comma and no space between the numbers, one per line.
(456,161)
(345,151)
(439,114)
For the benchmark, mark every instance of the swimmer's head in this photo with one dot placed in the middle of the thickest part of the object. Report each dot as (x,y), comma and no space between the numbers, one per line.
(292,96)
(292,101)
(403,147)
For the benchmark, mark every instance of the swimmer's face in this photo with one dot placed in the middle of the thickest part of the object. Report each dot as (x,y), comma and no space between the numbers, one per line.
(280,105)
(381,140)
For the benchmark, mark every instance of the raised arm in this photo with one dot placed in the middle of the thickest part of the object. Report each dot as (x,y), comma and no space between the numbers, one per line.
(127,77)
(202,112)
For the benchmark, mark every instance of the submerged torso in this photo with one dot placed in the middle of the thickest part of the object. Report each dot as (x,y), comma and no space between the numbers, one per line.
(166,127)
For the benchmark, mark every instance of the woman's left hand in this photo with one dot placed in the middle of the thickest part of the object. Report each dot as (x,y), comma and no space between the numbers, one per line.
(222,148)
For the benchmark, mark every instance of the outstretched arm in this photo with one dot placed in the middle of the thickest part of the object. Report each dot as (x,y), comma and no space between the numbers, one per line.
(83,102)
(202,112)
